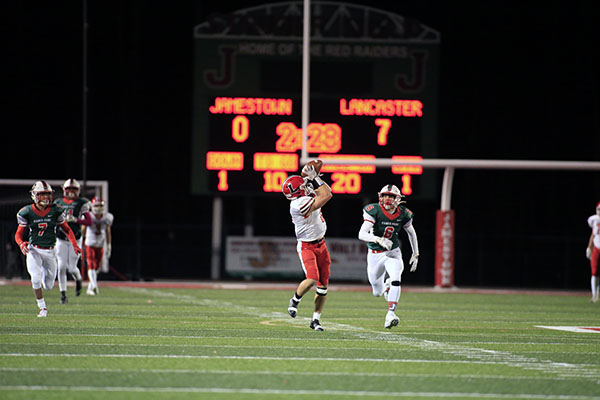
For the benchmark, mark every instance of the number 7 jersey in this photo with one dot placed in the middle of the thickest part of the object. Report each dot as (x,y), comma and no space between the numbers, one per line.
(42,224)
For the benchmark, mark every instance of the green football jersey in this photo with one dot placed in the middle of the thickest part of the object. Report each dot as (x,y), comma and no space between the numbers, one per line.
(42,224)
(387,225)
(76,208)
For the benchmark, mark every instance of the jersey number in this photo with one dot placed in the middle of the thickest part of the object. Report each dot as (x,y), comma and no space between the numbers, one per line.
(42,228)
(389,231)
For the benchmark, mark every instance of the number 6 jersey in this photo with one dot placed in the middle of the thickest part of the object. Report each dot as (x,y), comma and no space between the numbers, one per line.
(385,224)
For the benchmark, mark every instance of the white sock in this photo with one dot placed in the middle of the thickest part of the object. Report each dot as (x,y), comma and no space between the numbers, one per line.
(317,315)
(41,303)
(394,294)
(594,287)
(92,276)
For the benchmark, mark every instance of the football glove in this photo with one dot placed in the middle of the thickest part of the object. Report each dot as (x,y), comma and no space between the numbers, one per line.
(24,247)
(71,218)
(309,171)
(414,260)
(588,253)
(108,251)
(385,243)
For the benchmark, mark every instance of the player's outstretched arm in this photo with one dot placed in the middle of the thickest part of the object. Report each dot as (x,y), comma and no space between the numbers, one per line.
(86,219)
(414,244)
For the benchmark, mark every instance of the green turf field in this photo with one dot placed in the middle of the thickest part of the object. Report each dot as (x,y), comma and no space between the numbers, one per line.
(147,343)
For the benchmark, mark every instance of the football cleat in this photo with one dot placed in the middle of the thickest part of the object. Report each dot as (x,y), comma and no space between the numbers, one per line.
(63,298)
(90,291)
(77,287)
(293,308)
(43,312)
(316,325)
(391,320)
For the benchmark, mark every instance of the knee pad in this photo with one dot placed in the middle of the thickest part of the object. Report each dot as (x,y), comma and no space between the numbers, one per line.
(322,291)
(395,283)
(36,283)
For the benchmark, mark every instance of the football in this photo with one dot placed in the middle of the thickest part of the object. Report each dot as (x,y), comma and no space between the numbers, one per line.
(316,164)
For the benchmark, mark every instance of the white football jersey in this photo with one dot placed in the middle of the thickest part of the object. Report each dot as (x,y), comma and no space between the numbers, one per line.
(594,223)
(311,228)
(96,233)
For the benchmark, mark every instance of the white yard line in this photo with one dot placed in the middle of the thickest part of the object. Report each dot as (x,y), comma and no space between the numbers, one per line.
(285,373)
(318,393)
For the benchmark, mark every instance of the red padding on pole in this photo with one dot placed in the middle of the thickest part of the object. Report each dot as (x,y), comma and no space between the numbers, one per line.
(444,249)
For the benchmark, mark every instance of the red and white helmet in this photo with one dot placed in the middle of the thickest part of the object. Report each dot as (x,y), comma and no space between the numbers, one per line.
(387,203)
(295,186)
(97,205)
(41,193)
(71,189)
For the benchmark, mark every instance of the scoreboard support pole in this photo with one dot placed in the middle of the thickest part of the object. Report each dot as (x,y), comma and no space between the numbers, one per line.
(217,229)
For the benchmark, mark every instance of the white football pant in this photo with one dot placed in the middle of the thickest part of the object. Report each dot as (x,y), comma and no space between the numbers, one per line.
(378,264)
(67,262)
(42,265)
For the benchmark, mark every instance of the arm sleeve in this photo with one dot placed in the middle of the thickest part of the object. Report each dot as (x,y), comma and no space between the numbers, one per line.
(365,229)
(86,219)
(19,235)
(412,237)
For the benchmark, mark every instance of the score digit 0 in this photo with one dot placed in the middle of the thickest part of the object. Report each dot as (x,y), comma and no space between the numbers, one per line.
(240,128)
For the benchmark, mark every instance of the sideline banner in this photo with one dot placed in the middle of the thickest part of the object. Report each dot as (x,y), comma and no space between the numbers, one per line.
(276,257)
(444,249)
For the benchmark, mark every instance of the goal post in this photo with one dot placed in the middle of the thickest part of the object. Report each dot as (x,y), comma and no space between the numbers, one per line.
(444,232)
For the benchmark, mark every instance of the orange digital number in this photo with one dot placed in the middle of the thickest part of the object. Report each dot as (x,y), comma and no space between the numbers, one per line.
(345,183)
(274,180)
(323,138)
(222,186)
(406,188)
(290,140)
(240,128)
(384,125)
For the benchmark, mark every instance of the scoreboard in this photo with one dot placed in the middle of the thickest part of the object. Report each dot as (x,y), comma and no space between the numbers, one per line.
(369,98)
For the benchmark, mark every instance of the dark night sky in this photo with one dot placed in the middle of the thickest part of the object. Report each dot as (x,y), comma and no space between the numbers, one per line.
(517,82)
